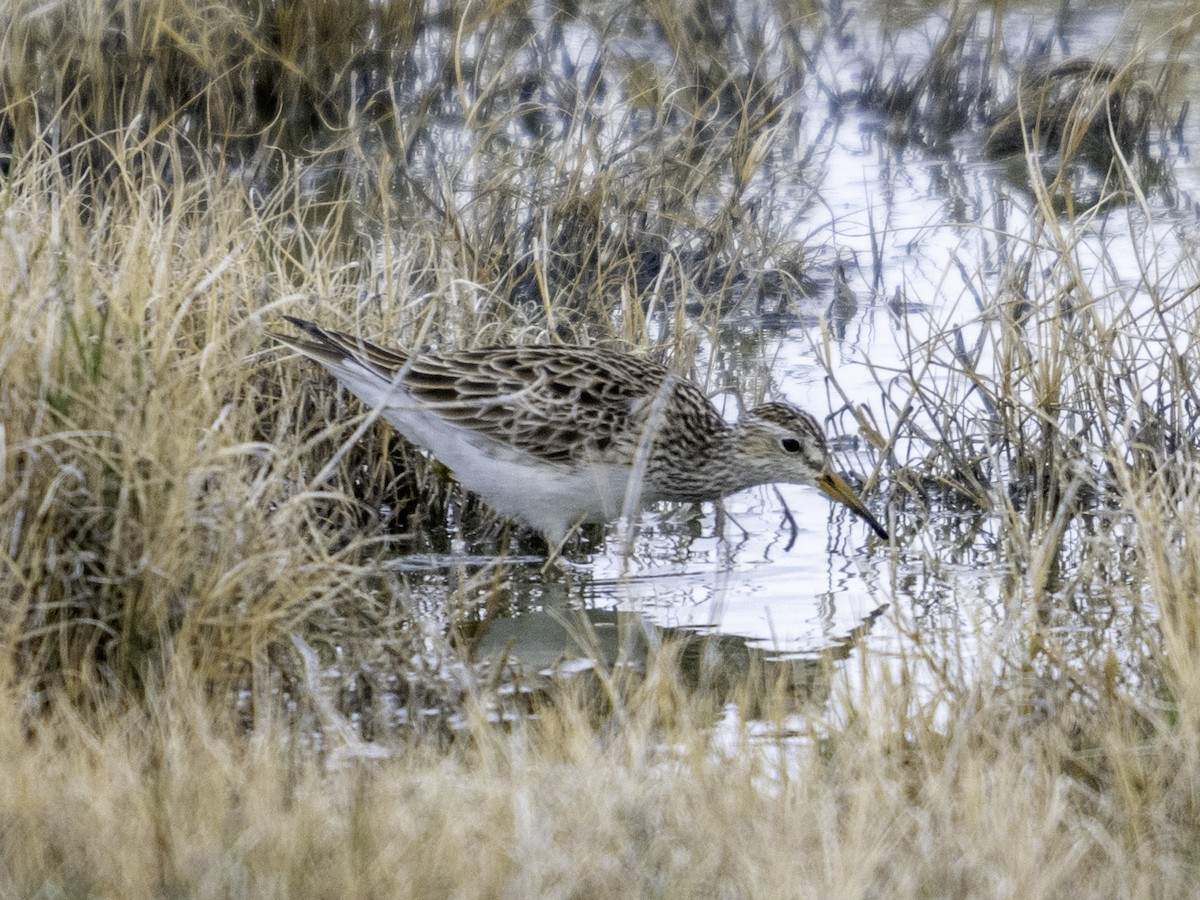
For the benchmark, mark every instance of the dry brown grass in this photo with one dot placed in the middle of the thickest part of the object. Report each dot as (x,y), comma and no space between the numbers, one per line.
(187,524)
(991,798)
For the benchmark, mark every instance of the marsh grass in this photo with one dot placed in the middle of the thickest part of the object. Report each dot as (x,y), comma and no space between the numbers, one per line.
(211,685)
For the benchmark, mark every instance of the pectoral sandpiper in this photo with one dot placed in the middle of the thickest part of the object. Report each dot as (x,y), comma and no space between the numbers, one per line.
(556,436)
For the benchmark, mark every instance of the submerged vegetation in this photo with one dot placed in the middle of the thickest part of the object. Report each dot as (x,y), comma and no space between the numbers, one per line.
(218,680)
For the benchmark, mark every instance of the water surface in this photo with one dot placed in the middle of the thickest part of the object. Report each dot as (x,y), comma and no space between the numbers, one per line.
(924,237)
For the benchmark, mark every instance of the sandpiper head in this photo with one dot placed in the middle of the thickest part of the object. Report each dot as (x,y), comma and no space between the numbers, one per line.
(777,442)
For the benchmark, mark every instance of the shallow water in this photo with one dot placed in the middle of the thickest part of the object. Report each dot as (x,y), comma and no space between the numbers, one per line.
(925,239)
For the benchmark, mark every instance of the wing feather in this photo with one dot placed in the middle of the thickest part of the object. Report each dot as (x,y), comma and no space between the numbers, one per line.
(552,404)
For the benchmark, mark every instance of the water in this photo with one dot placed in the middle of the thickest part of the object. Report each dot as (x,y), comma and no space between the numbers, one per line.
(925,239)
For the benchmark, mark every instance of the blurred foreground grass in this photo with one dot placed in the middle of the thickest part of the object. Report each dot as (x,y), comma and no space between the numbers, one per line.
(177,176)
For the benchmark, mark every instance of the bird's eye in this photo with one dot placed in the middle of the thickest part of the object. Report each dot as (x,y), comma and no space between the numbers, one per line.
(791,445)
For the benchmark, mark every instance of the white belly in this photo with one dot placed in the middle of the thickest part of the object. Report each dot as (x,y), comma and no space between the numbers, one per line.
(553,498)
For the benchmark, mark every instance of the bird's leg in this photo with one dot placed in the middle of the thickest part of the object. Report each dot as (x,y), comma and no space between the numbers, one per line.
(555,548)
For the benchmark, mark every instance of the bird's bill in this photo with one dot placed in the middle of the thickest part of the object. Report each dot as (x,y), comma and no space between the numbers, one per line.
(834,486)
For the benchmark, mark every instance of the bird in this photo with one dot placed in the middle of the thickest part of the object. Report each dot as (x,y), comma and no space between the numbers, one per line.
(556,436)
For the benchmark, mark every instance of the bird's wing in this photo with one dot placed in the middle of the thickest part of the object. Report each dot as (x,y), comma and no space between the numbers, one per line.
(552,405)
(555,406)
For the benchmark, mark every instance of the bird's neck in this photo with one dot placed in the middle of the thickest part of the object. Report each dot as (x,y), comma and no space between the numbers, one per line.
(711,471)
